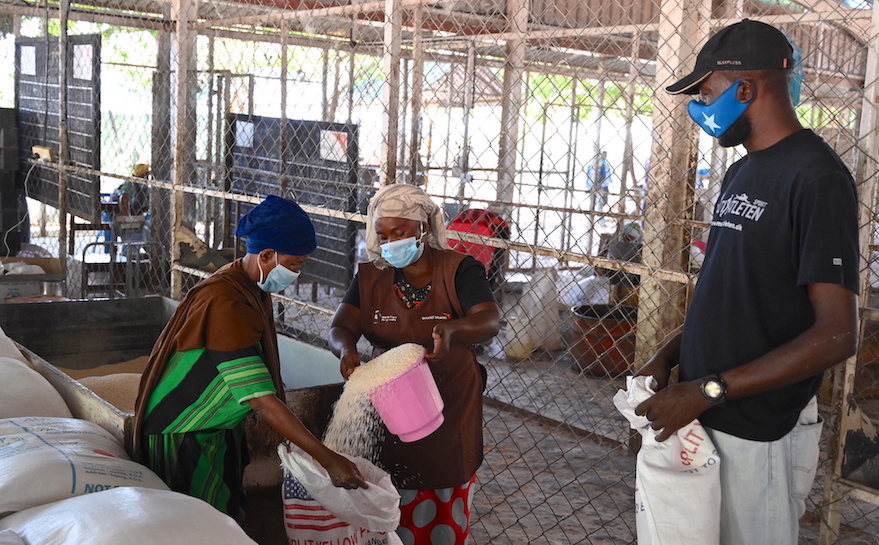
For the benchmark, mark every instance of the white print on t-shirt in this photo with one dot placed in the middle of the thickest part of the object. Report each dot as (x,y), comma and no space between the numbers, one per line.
(740,205)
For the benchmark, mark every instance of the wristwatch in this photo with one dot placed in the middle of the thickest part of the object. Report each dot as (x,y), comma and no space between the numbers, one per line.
(714,389)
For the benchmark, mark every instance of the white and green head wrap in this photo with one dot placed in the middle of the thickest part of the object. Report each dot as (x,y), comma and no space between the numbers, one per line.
(408,202)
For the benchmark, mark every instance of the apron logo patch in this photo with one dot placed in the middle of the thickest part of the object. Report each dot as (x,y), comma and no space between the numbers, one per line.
(378,317)
(443,316)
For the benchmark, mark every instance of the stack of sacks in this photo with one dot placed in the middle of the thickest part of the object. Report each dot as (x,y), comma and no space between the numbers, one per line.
(43,460)
(24,392)
(125,516)
(65,481)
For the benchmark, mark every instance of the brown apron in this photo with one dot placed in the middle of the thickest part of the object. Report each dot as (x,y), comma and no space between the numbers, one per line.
(450,455)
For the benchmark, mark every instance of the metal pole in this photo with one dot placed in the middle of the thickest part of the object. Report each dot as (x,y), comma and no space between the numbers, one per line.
(514,69)
(415,166)
(391,90)
(63,142)
(285,136)
(683,27)
(848,415)
(183,125)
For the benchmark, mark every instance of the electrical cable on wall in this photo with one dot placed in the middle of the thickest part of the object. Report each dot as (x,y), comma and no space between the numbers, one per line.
(20,221)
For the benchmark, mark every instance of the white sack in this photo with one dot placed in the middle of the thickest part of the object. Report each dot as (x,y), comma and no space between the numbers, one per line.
(8,537)
(24,392)
(576,290)
(20,267)
(43,460)
(376,508)
(127,516)
(677,482)
(9,350)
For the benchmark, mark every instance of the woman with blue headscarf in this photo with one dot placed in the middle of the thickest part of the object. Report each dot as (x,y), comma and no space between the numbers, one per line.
(217,359)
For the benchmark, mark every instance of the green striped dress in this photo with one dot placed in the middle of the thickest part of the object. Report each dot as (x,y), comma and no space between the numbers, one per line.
(193,428)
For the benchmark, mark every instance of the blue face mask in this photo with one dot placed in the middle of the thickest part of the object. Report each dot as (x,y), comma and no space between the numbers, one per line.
(278,279)
(716,118)
(403,252)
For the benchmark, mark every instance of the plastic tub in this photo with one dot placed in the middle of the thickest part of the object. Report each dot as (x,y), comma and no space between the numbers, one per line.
(410,404)
(604,340)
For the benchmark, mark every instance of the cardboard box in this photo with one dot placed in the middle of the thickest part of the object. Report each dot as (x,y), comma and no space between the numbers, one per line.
(28,285)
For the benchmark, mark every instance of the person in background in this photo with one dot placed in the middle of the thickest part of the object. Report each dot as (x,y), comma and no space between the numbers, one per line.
(133,197)
(598,176)
(775,305)
(130,199)
(217,359)
(625,246)
(416,290)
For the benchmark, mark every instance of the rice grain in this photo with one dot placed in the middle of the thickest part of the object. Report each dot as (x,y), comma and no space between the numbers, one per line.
(355,426)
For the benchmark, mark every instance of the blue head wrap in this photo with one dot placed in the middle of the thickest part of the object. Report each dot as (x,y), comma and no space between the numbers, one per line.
(279,224)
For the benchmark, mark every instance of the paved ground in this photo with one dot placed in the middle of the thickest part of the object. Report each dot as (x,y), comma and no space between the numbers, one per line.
(559,472)
(556,469)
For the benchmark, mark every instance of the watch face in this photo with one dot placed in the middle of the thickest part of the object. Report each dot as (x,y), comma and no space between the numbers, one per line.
(713,389)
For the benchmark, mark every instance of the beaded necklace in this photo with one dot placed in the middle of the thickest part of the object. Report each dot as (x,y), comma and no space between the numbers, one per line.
(409,294)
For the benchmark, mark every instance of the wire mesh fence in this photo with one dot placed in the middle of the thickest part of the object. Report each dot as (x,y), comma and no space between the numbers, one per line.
(542,130)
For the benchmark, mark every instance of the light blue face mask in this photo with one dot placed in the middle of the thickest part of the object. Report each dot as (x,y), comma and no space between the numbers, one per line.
(403,252)
(716,118)
(278,279)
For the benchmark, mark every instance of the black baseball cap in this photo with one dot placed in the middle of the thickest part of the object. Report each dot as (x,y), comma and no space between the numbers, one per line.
(747,45)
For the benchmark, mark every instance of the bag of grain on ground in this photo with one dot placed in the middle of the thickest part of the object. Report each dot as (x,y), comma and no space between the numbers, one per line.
(130,515)
(25,392)
(315,511)
(43,460)
(677,481)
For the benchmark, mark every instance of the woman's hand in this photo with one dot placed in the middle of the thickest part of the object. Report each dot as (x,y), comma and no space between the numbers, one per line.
(349,361)
(343,472)
(481,323)
(442,340)
(343,336)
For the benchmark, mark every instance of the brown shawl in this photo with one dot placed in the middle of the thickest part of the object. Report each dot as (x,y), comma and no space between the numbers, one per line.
(227,311)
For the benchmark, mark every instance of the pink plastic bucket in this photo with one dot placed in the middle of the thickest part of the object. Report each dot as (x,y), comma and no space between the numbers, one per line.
(410,404)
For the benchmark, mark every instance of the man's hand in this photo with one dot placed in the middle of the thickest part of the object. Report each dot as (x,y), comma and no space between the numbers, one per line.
(662,362)
(673,407)
(658,369)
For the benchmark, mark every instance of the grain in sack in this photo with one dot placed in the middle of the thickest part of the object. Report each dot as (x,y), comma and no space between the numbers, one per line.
(315,511)
(677,481)
(25,392)
(43,460)
(129,516)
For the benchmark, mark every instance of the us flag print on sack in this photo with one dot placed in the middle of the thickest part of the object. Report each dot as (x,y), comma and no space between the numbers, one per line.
(307,522)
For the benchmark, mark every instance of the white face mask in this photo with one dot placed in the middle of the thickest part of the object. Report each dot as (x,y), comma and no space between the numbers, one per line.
(278,279)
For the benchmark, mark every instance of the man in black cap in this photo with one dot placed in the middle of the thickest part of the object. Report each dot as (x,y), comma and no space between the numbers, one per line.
(217,359)
(776,302)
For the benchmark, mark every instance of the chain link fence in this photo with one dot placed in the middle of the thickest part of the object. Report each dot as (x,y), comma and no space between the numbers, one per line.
(540,127)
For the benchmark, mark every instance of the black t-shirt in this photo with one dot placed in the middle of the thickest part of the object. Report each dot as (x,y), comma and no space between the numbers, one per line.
(786,218)
(470,283)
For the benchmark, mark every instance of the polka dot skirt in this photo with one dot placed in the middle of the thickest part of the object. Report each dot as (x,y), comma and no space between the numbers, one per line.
(436,517)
